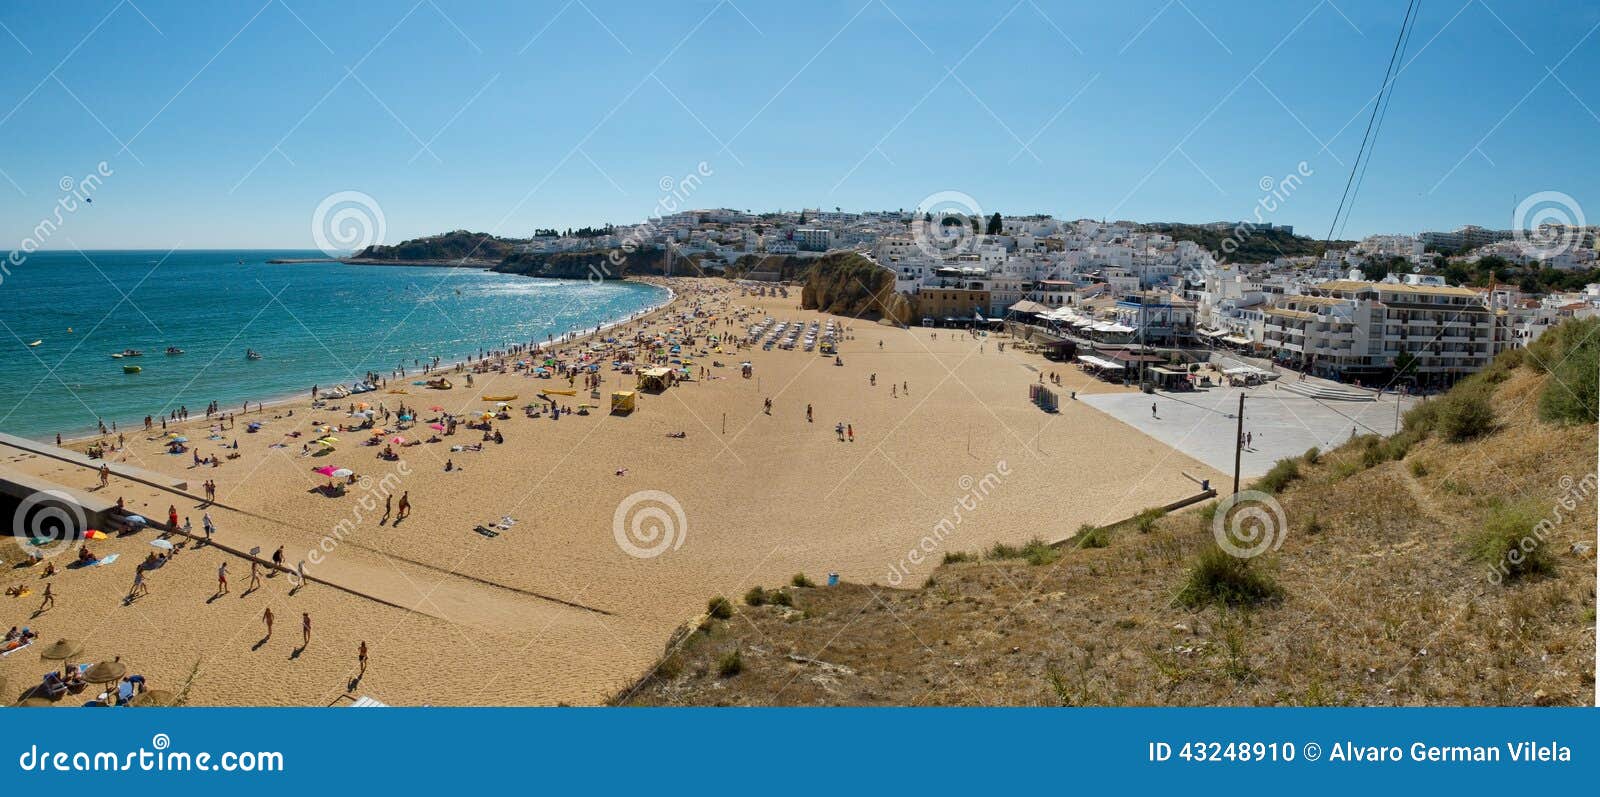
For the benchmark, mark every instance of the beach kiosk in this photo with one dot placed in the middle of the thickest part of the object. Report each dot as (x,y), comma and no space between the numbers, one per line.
(622,402)
(654,380)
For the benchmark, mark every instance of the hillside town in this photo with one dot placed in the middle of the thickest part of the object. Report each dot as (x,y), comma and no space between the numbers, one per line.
(1368,312)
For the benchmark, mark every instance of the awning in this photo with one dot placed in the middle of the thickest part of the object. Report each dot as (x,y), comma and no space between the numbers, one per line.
(1097,362)
(1211,333)
(1235,340)
(1026,306)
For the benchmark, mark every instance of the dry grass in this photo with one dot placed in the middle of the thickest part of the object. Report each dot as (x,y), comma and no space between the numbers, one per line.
(1383,602)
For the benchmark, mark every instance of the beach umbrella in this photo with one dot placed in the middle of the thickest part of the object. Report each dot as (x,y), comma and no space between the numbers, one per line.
(397,440)
(405,417)
(437,427)
(436,408)
(165,545)
(105,672)
(61,650)
(342,473)
(326,470)
(180,439)
(329,439)
(137,520)
(486,416)
(154,697)
(94,534)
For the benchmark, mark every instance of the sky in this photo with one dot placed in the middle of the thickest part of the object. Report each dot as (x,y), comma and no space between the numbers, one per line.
(227,125)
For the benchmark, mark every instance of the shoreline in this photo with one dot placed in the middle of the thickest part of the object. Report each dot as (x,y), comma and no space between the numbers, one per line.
(283,401)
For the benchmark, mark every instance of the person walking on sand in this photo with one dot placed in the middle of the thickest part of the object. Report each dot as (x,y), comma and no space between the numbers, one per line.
(850,431)
(277,559)
(49,601)
(405,505)
(267,617)
(105,474)
(255,576)
(205,523)
(138,590)
(222,578)
(388,505)
(808,413)
(361,658)
(305,629)
(172,516)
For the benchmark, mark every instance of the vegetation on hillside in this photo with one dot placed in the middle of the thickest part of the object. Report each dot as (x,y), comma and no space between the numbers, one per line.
(1257,246)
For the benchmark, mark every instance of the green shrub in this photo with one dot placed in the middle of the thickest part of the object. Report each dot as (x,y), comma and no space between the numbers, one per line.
(1419,468)
(1571,396)
(756,597)
(1286,471)
(1465,412)
(1092,536)
(1547,351)
(1146,520)
(1512,542)
(1034,552)
(1220,577)
(956,557)
(800,580)
(719,607)
(1312,456)
(1423,417)
(730,664)
(778,597)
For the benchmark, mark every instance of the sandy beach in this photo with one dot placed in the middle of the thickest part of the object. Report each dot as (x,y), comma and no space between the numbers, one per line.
(555,609)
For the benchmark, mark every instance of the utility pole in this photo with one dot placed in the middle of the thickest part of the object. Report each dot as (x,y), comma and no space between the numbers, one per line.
(1238,445)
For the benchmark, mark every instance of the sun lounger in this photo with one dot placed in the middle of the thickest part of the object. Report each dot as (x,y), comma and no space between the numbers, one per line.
(9,651)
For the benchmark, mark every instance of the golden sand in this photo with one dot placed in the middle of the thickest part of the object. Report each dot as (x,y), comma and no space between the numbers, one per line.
(554,609)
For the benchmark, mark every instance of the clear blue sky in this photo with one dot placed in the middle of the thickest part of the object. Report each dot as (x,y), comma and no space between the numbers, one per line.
(227,123)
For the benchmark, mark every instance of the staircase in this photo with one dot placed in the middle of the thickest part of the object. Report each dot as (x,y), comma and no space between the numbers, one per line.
(1326,391)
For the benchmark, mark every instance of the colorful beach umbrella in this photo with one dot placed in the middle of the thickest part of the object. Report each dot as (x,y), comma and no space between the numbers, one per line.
(342,473)
(137,520)
(94,534)
(437,427)
(397,440)
(326,470)
(164,545)
(436,408)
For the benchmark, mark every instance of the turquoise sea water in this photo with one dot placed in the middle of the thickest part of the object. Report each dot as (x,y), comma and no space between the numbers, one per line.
(313,323)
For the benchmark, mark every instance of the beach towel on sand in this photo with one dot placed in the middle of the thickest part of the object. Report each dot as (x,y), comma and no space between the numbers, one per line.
(105,560)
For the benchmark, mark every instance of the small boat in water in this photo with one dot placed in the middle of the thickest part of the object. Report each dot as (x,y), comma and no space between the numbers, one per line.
(35,343)
(127,353)
(131,369)
(251,354)
(174,350)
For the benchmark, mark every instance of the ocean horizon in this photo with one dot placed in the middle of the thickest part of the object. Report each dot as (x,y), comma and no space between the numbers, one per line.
(312,323)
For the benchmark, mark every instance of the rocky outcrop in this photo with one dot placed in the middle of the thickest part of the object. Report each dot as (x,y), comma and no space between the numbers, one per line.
(452,248)
(845,283)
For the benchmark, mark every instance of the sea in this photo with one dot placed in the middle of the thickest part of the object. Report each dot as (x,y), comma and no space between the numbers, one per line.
(312,323)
